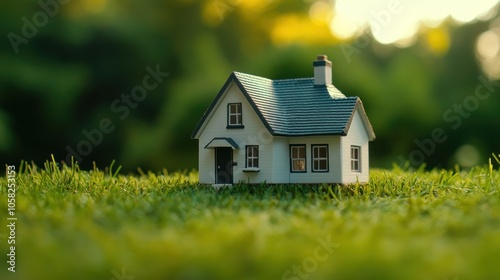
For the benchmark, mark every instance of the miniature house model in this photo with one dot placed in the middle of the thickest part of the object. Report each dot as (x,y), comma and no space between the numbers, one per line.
(284,131)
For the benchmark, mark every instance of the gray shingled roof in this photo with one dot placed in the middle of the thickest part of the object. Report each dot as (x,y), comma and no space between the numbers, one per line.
(295,107)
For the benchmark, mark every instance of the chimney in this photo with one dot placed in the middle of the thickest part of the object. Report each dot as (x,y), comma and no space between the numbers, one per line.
(322,71)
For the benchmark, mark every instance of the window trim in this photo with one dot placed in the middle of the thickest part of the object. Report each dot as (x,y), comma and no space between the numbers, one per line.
(355,160)
(313,158)
(229,114)
(291,158)
(247,157)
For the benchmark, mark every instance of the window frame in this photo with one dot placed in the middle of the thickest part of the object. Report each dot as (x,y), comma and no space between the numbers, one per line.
(292,159)
(313,158)
(252,156)
(355,160)
(239,113)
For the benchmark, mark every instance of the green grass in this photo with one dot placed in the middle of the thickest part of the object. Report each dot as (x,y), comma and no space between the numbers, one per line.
(75,224)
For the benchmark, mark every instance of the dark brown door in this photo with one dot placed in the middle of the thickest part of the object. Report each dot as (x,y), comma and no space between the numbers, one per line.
(224,165)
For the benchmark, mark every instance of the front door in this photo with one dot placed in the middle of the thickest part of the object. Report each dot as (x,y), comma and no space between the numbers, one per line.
(223,165)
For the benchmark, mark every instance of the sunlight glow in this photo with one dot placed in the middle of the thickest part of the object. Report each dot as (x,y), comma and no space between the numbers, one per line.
(297,28)
(488,44)
(343,27)
(438,40)
(392,20)
(488,51)
(320,12)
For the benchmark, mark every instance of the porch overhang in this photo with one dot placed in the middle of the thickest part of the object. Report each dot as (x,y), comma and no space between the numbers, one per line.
(222,142)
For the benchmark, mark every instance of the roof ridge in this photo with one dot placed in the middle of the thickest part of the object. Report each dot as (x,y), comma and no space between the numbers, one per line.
(251,75)
(293,79)
(274,80)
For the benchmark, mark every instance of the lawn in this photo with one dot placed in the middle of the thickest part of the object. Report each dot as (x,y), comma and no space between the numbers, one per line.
(74,224)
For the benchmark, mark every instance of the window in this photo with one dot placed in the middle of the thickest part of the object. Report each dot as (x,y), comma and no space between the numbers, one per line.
(298,158)
(234,115)
(320,158)
(252,157)
(356,158)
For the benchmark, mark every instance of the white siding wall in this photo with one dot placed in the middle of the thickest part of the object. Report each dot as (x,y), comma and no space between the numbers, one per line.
(356,136)
(281,161)
(254,133)
(332,176)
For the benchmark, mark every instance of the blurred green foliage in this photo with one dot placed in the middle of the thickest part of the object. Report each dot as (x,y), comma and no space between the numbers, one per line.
(65,78)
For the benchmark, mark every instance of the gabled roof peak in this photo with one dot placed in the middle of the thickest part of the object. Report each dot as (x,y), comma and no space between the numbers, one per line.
(295,107)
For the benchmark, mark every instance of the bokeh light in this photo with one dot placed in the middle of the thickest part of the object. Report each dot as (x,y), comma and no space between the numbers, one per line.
(488,51)
(467,156)
(391,21)
(488,44)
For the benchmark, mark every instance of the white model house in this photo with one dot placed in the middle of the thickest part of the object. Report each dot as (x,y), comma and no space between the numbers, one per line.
(284,131)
